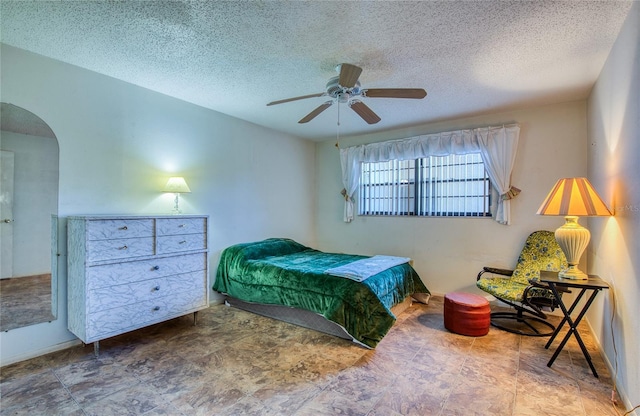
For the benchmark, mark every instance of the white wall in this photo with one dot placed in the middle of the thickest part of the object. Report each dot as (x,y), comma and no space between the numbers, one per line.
(449,252)
(614,169)
(35,199)
(119,144)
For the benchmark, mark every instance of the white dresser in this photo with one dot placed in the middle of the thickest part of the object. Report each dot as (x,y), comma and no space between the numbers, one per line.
(127,272)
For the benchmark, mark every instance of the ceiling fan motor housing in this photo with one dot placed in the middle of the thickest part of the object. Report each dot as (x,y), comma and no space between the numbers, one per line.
(340,93)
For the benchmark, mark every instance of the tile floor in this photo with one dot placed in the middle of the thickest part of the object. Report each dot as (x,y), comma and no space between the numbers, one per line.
(237,363)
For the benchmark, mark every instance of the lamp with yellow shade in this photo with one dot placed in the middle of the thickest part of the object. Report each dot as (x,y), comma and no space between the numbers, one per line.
(573,198)
(178,186)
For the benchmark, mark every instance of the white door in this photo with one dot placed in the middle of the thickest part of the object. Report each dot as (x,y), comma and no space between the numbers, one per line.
(6,214)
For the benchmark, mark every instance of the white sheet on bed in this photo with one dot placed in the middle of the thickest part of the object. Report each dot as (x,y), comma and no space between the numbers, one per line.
(360,270)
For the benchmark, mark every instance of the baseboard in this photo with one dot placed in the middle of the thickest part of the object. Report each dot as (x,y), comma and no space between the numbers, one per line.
(622,394)
(43,351)
(216,298)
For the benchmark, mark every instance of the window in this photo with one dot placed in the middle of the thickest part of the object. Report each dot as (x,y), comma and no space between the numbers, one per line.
(438,186)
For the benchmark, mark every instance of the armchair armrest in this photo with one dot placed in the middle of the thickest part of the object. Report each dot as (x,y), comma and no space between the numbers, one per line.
(495,270)
(536,283)
(539,299)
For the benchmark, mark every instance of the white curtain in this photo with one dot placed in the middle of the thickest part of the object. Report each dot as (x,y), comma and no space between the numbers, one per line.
(496,145)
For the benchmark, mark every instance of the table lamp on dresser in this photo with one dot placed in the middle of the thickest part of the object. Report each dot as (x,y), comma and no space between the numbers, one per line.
(178,186)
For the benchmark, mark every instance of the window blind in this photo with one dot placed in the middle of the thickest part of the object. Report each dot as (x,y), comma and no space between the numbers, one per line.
(443,186)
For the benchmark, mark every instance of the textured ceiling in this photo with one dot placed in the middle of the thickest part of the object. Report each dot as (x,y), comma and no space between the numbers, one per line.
(472,57)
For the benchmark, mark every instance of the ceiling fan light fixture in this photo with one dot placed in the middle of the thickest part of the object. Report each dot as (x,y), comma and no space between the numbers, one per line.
(343,97)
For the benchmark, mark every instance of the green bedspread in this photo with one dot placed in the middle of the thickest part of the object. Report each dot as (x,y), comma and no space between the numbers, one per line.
(284,272)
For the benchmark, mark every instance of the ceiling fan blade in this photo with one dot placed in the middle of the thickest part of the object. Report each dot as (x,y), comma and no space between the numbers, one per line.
(302,97)
(349,75)
(395,92)
(363,111)
(315,112)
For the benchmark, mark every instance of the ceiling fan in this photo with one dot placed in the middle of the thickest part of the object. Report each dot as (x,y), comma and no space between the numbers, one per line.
(345,88)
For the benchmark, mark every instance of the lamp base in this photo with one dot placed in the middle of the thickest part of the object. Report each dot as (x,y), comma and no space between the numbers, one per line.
(572,239)
(573,273)
(176,209)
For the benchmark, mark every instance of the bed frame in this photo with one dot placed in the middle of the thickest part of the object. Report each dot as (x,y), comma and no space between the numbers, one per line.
(305,318)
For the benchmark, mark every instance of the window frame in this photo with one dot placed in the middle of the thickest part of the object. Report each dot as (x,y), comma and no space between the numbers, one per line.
(419,184)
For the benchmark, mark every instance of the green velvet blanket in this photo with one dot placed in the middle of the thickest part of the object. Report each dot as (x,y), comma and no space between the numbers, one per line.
(284,272)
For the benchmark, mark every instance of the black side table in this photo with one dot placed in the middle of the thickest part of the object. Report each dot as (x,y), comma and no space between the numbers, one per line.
(594,284)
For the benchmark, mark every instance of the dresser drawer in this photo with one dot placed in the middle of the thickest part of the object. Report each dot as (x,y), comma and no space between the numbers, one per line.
(173,226)
(121,248)
(146,290)
(119,228)
(178,243)
(113,321)
(134,271)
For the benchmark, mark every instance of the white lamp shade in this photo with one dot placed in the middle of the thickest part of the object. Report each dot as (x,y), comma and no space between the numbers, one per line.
(177,184)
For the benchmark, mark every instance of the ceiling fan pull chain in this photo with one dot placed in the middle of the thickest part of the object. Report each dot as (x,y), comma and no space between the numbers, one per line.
(338,129)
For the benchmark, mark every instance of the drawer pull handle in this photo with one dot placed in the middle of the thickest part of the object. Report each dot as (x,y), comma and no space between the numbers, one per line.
(157,308)
(182,225)
(156,288)
(156,268)
(183,241)
(123,247)
(123,228)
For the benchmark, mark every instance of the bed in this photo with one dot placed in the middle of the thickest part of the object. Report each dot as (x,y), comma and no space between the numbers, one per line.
(281,278)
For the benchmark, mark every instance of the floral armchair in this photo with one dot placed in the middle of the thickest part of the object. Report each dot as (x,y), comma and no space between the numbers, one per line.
(520,288)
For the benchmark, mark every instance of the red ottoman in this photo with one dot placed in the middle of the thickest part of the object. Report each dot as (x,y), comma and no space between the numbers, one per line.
(467,314)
